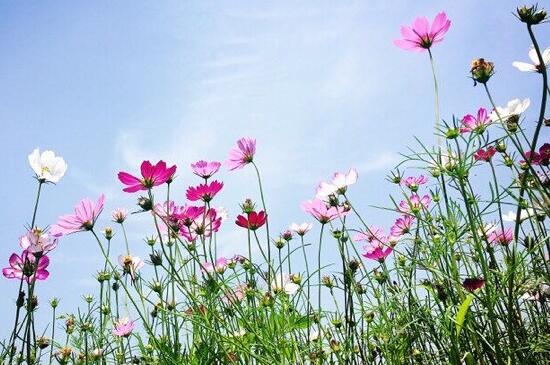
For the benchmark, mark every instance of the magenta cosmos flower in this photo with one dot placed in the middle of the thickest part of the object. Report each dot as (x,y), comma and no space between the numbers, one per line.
(542,157)
(199,222)
(205,169)
(485,155)
(124,327)
(323,213)
(152,175)
(26,267)
(378,246)
(413,182)
(402,225)
(243,154)
(204,192)
(477,123)
(83,219)
(420,36)
(499,237)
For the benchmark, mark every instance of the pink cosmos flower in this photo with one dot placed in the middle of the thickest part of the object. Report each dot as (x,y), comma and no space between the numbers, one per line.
(26,267)
(152,175)
(476,124)
(378,246)
(37,240)
(338,185)
(499,237)
(130,265)
(301,229)
(204,192)
(243,154)
(402,225)
(119,215)
(204,224)
(485,155)
(413,182)
(253,221)
(85,215)
(415,203)
(323,213)
(236,295)
(123,327)
(219,266)
(420,36)
(205,169)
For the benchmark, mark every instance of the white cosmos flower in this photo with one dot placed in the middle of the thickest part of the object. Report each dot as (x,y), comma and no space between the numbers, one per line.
(534,67)
(222,213)
(300,229)
(338,185)
(514,107)
(47,166)
(282,283)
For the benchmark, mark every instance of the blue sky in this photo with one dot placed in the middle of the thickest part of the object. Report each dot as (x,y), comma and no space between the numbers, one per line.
(319,84)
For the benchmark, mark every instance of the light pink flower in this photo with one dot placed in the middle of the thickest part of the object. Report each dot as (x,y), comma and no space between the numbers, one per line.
(301,229)
(119,215)
(338,185)
(402,225)
(420,36)
(37,240)
(323,213)
(205,169)
(26,267)
(152,175)
(283,284)
(243,154)
(476,124)
(499,237)
(85,215)
(219,266)
(236,295)
(130,264)
(123,327)
(204,192)
(413,182)
(415,203)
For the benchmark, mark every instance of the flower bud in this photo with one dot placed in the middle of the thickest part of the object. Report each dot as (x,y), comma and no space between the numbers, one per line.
(42,342)
(20,299)
(508,161)
(248,206)
(296,278)
(156,258)
(280,242)
(531,14)
(452,133)
(481,70)
(287,235)
(500,146)
(145,203)
(108,233)
(103,276)
(512,123)
(327,281)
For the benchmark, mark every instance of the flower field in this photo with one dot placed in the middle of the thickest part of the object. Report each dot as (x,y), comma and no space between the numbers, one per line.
(460,276)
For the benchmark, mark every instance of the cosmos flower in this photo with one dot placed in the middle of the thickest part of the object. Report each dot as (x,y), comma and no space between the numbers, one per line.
(499,237)
(36,240)
(402,225)
(119,215)
(85,215)
(338,185)
(477,123)
(323,213)
(205,169)
(204,192)
(514,107)
(472,284)
(242,155)
(219,266)
(300,229)
(413,182)
(26,267)
(283,284)
(378,246)
(123,327)
(152,175)
(47,166)
(542,157)
(252,221)
(415,203)
(420,36)
(485,155)
(204,223)
(535,66)
(130,264)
